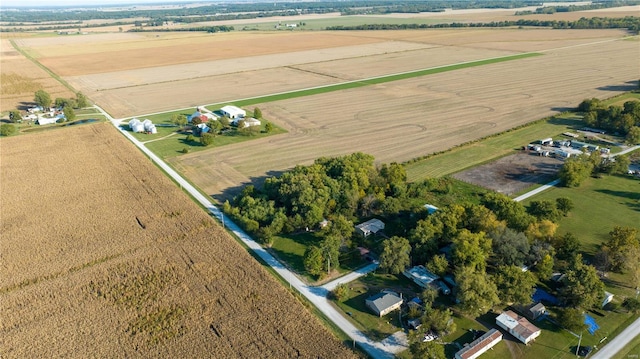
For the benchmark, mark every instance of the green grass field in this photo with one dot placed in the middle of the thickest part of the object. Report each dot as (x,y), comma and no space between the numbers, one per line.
(361,316)
(620,100)
(489,149)
(600,204)
(291,248)
(629,351)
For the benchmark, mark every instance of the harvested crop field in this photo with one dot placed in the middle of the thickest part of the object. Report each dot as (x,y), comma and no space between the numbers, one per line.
(21,78)
(212,68)
(512,174)
(103,256)
(402,120)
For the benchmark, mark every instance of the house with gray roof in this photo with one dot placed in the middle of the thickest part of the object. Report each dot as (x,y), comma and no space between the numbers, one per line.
(384,302)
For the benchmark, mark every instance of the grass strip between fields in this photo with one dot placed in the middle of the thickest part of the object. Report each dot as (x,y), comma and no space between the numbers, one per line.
(378,80)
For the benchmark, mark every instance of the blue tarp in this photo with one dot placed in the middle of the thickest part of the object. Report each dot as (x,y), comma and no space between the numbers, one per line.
(591,323)
(540,295)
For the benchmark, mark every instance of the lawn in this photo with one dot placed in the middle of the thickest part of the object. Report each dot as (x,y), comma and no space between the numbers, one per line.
(354,305)
(170,143)
(600,204)
(620,100)
(291,248)
(476,153)
(631,350)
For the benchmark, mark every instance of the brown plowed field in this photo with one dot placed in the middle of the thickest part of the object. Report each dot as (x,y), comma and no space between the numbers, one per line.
(102,256)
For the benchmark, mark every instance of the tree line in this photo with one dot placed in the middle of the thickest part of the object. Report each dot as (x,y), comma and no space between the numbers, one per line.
(258,9)
(570,8)
(630,23)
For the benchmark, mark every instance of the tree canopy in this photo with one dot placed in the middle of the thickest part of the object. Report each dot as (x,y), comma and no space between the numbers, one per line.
(42,98)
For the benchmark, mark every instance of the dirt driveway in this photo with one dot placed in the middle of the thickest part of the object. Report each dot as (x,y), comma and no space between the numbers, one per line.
(513,174)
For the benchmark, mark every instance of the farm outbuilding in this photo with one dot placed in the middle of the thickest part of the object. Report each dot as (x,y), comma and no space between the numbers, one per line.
(233,112)
(149,127)
(247,122)
(46,120)
(480,345)
(136,126)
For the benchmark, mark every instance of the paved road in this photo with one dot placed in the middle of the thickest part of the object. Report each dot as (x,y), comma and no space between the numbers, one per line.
(617,343)
(316,295)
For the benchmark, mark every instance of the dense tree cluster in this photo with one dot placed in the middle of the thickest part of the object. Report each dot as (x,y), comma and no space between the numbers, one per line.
(484,246)
(623,120)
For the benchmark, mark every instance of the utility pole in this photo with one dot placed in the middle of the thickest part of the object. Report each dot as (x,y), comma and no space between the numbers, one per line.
(579,341)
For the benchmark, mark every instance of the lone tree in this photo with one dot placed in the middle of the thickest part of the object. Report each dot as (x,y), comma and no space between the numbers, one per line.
(179,120)
(7,129)
(395,254)
(571,319)
(583,287)
(81,100)
(257,113)
(15,116)
(575,170)
(69,114)
(206,139)
(42,98)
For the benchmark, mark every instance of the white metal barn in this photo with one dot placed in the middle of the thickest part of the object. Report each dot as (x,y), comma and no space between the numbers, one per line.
(46,120)
(232,112)
(248,122)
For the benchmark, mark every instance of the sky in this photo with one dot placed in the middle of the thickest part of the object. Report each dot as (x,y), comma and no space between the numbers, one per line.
(35,3)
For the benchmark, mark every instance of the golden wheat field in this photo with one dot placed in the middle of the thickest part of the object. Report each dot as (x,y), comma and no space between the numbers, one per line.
(103,256)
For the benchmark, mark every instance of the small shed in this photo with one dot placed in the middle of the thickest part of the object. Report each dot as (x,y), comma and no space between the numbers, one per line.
(537,310)
(233,112)
(372,226)
(608,297)
(202,128)
(431,209)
